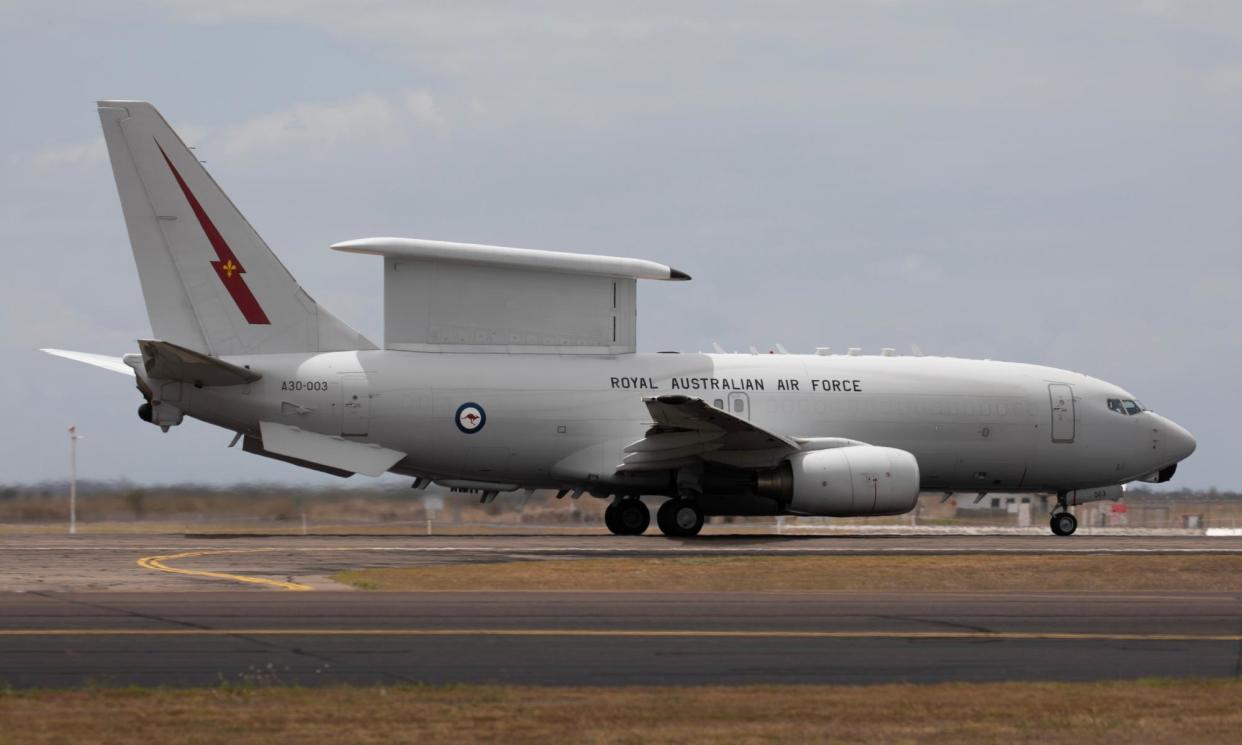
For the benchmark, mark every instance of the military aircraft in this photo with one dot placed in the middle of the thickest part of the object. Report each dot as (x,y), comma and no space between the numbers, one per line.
(506,369)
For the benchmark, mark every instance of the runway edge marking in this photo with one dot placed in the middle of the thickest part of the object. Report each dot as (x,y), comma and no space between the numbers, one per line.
(157,563)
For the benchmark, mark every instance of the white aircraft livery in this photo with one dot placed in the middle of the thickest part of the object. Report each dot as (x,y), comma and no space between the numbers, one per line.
(506,369)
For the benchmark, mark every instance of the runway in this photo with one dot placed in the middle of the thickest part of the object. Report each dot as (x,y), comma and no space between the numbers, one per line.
(204,638)
(200,610)
(92,563)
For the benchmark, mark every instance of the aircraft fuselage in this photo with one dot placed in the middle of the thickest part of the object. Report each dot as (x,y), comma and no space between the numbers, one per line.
(564,420)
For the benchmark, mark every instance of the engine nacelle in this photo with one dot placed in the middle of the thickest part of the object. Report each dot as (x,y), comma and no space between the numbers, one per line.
(857,480)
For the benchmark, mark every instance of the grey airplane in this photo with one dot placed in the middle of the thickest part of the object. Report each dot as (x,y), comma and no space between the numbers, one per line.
(506,369)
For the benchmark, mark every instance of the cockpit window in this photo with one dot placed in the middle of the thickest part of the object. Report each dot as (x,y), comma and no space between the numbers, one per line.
(1124,406)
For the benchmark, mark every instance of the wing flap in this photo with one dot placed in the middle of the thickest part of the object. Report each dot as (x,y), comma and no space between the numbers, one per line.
(687,430)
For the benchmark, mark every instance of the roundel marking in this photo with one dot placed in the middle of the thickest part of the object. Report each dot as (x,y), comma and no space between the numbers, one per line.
(470,417)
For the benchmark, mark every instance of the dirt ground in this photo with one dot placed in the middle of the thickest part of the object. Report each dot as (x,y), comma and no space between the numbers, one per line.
(819,573)
(1182,712)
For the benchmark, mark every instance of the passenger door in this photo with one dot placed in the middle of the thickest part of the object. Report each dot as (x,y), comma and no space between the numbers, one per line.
(1061,397)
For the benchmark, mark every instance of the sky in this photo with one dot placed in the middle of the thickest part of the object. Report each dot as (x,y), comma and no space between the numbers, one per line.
(1052,182)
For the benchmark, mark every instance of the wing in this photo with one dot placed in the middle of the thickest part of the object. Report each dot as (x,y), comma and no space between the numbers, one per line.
(339,455)
(687,430)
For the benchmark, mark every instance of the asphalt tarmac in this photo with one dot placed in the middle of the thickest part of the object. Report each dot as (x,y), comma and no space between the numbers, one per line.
(108,562)
(201,610)
(257,637)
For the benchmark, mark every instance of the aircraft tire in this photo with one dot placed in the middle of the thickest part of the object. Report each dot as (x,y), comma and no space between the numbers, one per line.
(684,518)
(1063,523)
(632,517)
(664,519)
(611,521)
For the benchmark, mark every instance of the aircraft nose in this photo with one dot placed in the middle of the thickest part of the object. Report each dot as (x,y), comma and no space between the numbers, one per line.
(1179,442)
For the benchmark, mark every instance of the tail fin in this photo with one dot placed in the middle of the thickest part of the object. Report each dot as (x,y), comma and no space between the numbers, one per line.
(210,282)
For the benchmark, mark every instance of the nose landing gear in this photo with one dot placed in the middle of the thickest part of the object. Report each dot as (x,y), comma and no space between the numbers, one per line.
(1062,522)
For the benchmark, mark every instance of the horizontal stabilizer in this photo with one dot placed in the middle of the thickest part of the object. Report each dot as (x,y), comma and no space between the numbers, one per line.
(115,364)
(336,452)
(170,362)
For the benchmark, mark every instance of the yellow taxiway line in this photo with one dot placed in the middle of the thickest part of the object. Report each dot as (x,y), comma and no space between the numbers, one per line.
(157,563)
(642,633)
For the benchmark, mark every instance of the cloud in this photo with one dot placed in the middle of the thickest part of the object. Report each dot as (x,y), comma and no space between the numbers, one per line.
(911,268)
(91,151)
(366,118)
(1224,80)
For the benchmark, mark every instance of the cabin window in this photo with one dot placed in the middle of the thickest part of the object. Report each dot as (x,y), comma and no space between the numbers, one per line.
(718,403)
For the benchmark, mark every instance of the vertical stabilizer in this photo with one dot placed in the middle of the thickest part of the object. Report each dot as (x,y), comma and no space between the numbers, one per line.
(210,282)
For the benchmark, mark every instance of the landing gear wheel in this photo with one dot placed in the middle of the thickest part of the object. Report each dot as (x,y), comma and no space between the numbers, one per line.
(680,518)
(610,520)
(632,516)
(664,518)
(1063,523)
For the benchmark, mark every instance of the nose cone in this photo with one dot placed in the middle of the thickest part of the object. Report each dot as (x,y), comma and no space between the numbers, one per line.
(1178,442)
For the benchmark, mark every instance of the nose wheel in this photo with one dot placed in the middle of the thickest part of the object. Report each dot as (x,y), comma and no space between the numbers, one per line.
(1063,523)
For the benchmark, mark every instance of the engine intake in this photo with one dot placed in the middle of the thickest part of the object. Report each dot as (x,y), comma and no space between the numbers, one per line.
(858,480)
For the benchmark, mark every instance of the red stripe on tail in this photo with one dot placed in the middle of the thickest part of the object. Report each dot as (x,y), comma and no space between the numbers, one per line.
(228,268)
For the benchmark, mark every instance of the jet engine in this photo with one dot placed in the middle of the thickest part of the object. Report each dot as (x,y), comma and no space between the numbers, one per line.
(855,480)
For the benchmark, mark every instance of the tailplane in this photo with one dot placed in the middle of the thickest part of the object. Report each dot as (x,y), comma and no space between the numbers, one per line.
(210,282)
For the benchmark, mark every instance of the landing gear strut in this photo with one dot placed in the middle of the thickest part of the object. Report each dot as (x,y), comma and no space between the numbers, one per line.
(680,518)
(1062,522)
(627,517)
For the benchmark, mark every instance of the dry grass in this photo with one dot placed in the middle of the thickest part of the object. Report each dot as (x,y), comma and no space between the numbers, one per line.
(818,573)
(1182,712)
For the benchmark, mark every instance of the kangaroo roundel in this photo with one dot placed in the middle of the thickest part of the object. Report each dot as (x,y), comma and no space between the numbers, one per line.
(470,417)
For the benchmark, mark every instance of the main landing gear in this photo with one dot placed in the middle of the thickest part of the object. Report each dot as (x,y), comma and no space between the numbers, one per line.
(680,518)
(627,517)
(1062,522)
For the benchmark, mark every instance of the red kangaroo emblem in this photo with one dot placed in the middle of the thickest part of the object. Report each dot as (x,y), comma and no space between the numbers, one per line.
(472,417)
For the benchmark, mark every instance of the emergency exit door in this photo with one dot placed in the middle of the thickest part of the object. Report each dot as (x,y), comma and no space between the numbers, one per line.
(739,405)
(1061,397)
(355,403)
